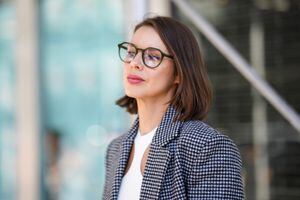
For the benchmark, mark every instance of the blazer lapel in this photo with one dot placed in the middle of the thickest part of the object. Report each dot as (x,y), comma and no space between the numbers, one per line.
(122,160)
(159,156)
(157,161)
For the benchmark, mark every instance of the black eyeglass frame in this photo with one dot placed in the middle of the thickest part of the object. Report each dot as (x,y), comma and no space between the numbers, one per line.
(143,51)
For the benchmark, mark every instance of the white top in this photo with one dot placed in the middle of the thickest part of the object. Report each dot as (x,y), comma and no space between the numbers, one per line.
(132,181)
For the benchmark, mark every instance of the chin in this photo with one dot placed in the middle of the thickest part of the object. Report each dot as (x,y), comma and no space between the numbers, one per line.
(134,94)
(130,94)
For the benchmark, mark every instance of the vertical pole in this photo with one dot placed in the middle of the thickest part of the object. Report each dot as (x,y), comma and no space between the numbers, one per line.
(134,12)
(159,7)
(27,112)
(259,112)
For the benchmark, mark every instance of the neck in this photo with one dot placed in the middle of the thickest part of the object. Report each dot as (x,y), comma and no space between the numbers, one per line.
(150,115)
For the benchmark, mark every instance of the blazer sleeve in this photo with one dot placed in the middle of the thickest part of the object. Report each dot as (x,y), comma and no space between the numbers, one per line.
(216,172)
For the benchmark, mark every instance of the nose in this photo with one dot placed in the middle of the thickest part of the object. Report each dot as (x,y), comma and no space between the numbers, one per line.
(137,62)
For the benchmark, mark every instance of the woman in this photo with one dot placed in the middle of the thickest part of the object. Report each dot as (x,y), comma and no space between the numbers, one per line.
(169,153)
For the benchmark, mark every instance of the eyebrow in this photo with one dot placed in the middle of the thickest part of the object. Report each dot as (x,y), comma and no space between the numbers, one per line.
(147,47)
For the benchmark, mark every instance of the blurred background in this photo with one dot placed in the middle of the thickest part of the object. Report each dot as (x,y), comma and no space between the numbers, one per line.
(60,75)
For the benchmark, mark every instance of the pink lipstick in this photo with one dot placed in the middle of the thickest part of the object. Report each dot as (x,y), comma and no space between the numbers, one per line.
(134,79)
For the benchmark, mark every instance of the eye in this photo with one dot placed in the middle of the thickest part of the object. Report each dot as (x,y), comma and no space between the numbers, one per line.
(152,57)
(130,54)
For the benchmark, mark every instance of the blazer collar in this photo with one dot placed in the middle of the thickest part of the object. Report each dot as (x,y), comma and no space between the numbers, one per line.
(167,130)
(159,155)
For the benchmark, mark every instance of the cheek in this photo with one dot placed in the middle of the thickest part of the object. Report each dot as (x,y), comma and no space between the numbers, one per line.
(125,68)
(164,79)
(125,71)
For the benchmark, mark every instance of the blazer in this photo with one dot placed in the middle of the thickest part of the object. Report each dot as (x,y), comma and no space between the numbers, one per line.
(186,160)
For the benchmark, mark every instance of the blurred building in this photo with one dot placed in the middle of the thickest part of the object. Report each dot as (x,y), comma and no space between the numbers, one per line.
(59,79)
(266,33)
(60,76)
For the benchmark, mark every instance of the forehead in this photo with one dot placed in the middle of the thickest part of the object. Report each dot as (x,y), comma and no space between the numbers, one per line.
(145,37)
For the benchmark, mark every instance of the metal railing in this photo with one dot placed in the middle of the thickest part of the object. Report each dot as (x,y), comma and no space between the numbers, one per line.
(240,64)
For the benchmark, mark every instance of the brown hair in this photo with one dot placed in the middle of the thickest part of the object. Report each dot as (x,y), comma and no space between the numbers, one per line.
(193,96)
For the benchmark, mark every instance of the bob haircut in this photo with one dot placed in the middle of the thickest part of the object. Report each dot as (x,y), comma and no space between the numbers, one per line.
(193,95)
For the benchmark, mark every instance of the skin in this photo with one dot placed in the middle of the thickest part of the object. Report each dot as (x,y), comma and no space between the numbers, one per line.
(155,92)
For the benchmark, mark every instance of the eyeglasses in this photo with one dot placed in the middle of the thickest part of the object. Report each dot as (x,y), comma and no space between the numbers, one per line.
(152,57)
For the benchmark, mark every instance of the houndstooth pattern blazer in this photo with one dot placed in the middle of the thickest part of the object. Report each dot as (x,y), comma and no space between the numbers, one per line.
(187,160)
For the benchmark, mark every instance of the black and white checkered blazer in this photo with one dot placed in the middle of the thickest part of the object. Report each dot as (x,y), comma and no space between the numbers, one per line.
(187,160)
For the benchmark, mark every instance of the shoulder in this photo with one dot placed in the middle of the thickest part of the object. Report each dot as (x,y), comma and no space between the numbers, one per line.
(112,152)
(214,162)
(201,133)
(115,145)
(198,137)
(198,130)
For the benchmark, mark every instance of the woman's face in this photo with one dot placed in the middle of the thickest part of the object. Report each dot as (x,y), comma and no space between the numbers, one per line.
(141,82)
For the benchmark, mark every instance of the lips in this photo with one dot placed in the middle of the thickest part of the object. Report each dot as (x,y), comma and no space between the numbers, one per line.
(134,79)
